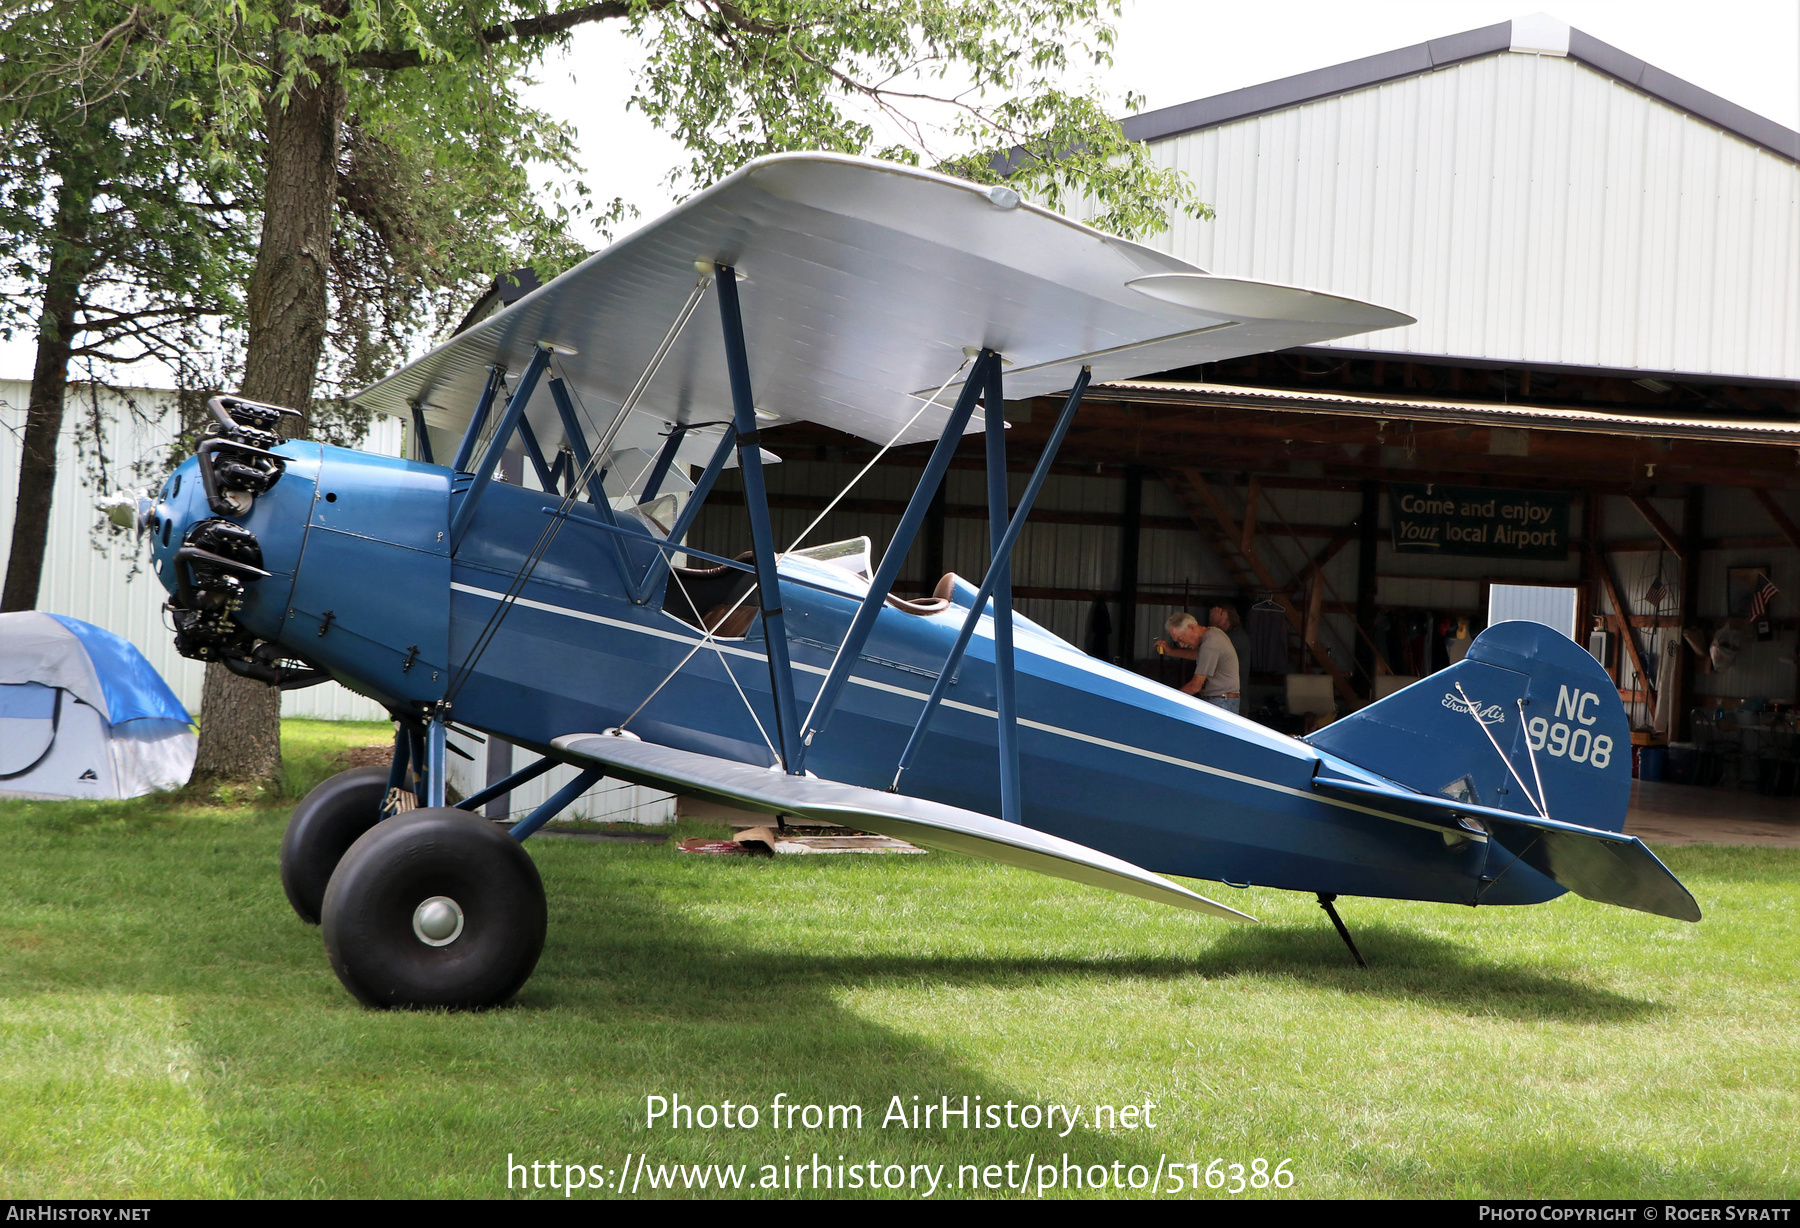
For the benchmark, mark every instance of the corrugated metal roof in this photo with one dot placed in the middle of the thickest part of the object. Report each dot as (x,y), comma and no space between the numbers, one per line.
(1479,413)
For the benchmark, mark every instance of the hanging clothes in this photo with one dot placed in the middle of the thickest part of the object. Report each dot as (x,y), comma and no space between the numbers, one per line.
(1387,636)
(1099,631)
(1268,639)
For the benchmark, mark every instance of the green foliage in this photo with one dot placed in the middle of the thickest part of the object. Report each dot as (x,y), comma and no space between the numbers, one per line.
(978,88)
(435,200)
(116,186)
(434,189)
(433,183)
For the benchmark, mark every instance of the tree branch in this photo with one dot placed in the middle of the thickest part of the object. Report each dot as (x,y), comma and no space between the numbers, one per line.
(528,27)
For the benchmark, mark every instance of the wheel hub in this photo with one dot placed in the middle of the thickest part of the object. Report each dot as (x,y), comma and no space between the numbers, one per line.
(438,921)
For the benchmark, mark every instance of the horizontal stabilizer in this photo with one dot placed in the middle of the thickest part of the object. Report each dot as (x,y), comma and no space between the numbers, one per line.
(1599,865)
(1605,866)
(907,818)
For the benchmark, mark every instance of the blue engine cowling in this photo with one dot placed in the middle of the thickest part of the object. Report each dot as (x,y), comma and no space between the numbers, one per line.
(340,568)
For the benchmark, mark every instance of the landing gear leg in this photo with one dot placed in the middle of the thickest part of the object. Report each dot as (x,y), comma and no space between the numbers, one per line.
(1325,902)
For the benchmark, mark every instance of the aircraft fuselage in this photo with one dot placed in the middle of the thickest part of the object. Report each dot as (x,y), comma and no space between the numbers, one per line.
(364,585)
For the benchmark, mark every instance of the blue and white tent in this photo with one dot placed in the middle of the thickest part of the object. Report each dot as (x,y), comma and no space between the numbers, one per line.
(83,714)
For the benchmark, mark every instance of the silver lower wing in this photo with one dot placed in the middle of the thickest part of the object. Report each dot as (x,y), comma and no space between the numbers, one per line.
(906,818)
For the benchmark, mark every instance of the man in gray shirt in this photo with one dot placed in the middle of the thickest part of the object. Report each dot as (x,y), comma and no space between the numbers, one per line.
(1214,656)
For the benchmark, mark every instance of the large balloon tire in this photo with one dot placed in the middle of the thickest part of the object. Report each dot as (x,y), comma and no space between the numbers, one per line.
(380,948)
(321,830)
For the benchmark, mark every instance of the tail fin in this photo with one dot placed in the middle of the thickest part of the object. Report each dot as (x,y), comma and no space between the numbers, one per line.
(1529,725)
(1527,722)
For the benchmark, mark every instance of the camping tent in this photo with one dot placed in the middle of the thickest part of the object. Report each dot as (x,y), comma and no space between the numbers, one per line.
(83,714)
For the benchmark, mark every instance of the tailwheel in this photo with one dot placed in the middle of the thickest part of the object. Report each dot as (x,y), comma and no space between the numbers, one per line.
(324,825)
(435,908)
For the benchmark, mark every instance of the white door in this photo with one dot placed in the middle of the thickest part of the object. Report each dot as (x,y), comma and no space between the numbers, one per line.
(1533,603)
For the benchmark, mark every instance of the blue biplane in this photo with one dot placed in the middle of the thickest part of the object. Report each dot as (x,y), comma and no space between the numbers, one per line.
(567,614)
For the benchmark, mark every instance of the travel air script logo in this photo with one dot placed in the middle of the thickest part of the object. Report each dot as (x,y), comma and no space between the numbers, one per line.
(1493,714)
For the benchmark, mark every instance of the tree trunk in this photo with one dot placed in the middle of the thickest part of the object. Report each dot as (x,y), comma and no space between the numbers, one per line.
(240,719)
(71,260)
(288,304)
(240,729)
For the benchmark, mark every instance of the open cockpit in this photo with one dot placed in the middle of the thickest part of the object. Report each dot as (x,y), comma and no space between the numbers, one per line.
(724,599)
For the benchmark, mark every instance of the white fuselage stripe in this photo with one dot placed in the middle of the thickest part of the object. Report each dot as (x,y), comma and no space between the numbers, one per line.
(1057,730)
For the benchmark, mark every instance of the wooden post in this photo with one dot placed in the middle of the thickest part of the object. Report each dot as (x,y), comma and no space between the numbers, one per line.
(1693,516)
(1622,620)
(1129,528)
(1583,597)
(1369,523)
(1315,600)
(1315,573)
(1591,576)
(1792,534)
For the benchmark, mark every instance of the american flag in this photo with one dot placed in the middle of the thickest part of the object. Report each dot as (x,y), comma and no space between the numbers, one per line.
(1656,593)
(1759,602)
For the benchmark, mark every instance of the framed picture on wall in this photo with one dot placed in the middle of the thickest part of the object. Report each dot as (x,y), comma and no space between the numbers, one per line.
(1741,586)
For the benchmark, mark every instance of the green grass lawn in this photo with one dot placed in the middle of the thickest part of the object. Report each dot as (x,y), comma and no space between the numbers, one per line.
(168,1027)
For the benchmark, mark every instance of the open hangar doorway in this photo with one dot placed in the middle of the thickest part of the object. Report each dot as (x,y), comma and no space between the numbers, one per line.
(1302,508)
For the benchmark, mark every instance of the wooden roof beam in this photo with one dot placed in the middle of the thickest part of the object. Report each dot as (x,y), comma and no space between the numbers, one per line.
(1297,620)
(1660,527)
(1782,522)
(1620,614)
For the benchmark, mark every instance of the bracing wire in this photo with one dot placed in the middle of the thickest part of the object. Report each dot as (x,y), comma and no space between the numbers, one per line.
(864,471)
(706,635)
(725,663)
(1543,802)
(814,706)
(548,535)
(1473,711)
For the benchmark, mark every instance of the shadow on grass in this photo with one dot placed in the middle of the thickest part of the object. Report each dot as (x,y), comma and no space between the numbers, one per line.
(673,968)
(631,1000)
(636,995)
(151,813)
(1411,966)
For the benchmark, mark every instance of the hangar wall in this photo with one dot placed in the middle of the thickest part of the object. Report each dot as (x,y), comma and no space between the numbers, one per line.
(1525,208)
(1069,556)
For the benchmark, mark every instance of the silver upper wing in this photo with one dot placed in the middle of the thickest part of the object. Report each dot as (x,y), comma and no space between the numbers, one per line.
(865,284)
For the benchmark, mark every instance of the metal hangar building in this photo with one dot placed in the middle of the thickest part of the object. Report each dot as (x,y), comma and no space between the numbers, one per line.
(1595,421)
